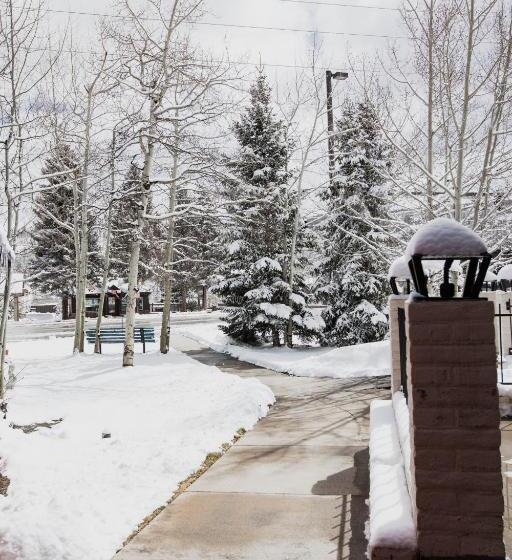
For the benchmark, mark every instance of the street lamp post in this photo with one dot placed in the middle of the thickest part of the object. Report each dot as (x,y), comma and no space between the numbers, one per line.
(329,76)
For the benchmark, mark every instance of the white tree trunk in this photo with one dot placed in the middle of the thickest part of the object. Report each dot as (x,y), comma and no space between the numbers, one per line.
(168,257)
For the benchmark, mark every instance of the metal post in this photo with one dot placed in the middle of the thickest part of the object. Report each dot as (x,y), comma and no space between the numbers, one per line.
(501,342)
(330,125)
(329,76)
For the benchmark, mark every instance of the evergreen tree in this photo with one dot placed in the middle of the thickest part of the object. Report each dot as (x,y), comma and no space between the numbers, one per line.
(53,265)
(124,220)
(253,275)
(353,270)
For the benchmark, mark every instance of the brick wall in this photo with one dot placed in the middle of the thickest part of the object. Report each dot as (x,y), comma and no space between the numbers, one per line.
(455,436)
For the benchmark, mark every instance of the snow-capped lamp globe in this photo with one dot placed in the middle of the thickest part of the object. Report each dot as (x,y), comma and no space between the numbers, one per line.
(490,282)
(505,278)
(448,241)
(399,276)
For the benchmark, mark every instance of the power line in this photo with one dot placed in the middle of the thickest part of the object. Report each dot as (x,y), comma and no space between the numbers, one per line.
(238,26)
(336,4)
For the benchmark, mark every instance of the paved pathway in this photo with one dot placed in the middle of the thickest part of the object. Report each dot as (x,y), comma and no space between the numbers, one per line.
(293,488)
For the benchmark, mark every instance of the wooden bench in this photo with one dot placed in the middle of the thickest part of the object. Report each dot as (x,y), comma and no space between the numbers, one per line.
(116,335)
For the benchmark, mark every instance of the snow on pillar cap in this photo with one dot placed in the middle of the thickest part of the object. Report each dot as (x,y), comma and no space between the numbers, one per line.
(399,269)
(446,238)
(6,251)
(505,273)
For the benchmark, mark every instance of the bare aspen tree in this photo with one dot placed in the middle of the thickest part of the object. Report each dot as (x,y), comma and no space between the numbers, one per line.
(146,58)
(304,111)
(108,235)
(23,66)
(445,110)
(96,87)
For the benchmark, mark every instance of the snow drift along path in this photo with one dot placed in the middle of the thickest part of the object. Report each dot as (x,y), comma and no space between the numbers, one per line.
(361,360)
(75,495)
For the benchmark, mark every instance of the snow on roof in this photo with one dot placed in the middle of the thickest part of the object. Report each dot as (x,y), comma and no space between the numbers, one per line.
(6,251)
(490,276)
(444,237)
(399,269)
(505,273)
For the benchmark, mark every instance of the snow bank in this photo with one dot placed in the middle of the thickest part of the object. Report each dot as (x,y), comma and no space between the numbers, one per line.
(444,238)
(75,495)
(35,317)
(391,523)
(362,360)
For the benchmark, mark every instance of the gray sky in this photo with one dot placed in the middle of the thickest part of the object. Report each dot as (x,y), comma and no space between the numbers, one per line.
(272,47)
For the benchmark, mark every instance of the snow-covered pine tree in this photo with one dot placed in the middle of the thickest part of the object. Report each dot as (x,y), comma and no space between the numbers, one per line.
(124,219)
(53,265)
(353,269)
(254,283)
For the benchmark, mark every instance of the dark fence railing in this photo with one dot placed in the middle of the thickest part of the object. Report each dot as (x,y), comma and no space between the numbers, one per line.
(402,338)
(504,339)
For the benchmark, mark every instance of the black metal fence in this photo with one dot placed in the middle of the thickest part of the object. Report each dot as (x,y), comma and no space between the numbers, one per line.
(504,339)
(402,338)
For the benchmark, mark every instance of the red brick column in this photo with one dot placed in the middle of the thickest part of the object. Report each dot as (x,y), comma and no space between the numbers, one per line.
(455,436)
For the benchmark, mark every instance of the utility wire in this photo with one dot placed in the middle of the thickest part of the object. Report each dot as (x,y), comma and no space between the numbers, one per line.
(336,4)
(237,26)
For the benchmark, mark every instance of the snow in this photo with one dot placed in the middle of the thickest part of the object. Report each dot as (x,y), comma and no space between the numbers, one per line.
(505,273)
(490,276)
(269,263)
(402,420)
(369,309)
(443,237)
(399,269)
(75,495)
(361,360)
(298,299)
(279,310)
(234,247)
(391,522)
(35,317)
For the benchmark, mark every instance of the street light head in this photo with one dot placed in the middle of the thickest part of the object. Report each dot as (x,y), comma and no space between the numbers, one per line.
(340,75)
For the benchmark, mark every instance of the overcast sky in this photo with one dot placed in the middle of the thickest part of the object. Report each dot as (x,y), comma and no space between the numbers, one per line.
(269,46)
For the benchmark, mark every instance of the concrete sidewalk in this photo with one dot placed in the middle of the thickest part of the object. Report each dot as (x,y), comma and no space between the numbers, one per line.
(292,488)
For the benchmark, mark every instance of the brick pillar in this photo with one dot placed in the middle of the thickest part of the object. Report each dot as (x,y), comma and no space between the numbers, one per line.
(455,437)
(395,303)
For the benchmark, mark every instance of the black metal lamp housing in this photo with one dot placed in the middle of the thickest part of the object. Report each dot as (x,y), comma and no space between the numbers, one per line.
(448,241)
(399,272)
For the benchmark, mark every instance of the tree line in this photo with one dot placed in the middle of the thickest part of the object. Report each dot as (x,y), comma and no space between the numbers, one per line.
(148,158)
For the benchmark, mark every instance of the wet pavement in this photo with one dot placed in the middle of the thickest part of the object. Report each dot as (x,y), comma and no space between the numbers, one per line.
(293,488)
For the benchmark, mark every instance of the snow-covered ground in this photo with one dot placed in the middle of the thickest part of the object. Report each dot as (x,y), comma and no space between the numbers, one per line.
(76,495)
(362,360)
